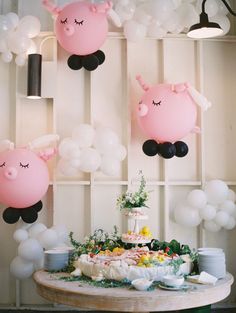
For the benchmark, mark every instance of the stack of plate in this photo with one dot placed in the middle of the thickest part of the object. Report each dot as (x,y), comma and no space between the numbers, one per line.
(55,260)
(212,261)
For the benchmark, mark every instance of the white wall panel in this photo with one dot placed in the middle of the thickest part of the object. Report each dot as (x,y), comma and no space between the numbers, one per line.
(109,97)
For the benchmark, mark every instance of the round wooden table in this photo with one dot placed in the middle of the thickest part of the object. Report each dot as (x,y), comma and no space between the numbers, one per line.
(82,295)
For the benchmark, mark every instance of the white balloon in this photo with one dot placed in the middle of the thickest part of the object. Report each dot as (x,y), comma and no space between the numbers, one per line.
(104,139)
(156,31)
(221,218)
(20,59)
(134,31)
(125,9)
(142,17)
(208,212)
(22,225)
(5,24)
(83,135)
(29,26)
(7,56)
(64,167)
(18,43)
(228,206)
(172,23)
(231,223)
(74,163)
(21,268)
(186,216)
(110,166)
(197,199)
(13,18)
(223,21)
(90,160)
(161,10)
(216,191)
(187,15)
(211,7)
(20,235)
(30,250)
(231,195)
(211,226)
(68,149)
(36,229)
(48,238)
(117,152)
(62,233)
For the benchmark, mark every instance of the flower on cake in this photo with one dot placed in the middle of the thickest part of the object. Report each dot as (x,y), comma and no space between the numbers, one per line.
(146,232)
(131,201)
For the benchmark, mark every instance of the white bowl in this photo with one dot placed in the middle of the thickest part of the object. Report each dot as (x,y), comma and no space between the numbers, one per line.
(141,284)
(173,280)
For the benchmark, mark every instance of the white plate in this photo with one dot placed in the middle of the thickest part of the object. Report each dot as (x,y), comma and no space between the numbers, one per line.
(182,287)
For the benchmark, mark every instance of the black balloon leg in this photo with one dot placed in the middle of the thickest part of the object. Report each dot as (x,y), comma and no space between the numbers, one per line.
(90,62)
(100,55)
(181,149)
(29,215)
(167,150)
(11,215)
(150,147)
(37,206)
(75,62)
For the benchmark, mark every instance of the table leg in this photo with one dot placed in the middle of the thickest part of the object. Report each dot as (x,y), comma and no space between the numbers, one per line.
(202,309)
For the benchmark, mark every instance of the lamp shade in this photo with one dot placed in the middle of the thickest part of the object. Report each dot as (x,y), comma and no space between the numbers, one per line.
(204,29)
(34,76)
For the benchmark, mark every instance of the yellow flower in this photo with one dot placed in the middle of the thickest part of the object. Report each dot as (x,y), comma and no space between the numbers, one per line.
(141,264)
(144,258)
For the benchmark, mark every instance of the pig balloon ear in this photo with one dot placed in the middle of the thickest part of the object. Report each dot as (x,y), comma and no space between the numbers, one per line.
(6,145)
(51,7)
(199,98)
(43,141)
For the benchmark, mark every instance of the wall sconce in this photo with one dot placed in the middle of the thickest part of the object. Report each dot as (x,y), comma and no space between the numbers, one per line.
(206,29)
(34,76)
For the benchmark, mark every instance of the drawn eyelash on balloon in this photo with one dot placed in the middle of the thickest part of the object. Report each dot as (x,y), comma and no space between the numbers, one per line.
(24,165)
(79,23)
(156,103)
(3,164)
(64,22)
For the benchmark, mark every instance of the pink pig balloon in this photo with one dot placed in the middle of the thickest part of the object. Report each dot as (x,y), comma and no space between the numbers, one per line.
(81,28)
(167,113)
(24,178)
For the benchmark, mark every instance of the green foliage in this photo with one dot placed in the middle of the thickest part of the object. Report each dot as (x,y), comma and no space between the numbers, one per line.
(129,200)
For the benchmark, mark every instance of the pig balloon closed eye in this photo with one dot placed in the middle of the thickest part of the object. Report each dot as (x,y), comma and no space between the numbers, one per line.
(81,28)
(167,113)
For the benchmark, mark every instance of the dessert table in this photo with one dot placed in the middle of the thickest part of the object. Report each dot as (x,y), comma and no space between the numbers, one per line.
(82,295)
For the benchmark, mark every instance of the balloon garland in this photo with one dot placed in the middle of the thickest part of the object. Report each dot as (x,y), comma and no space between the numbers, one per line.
(214,206)
(33,240)
(156,18)
(16,37)
(89,150)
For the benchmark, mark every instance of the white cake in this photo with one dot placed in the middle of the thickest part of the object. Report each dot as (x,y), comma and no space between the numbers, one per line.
(128,264)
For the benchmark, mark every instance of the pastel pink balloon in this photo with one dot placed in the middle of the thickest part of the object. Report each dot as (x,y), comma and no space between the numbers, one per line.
(24,178)
(167,112)
(81,28)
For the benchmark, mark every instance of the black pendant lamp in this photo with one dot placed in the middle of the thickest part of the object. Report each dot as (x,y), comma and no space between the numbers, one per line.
(34,76)
(205,28)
